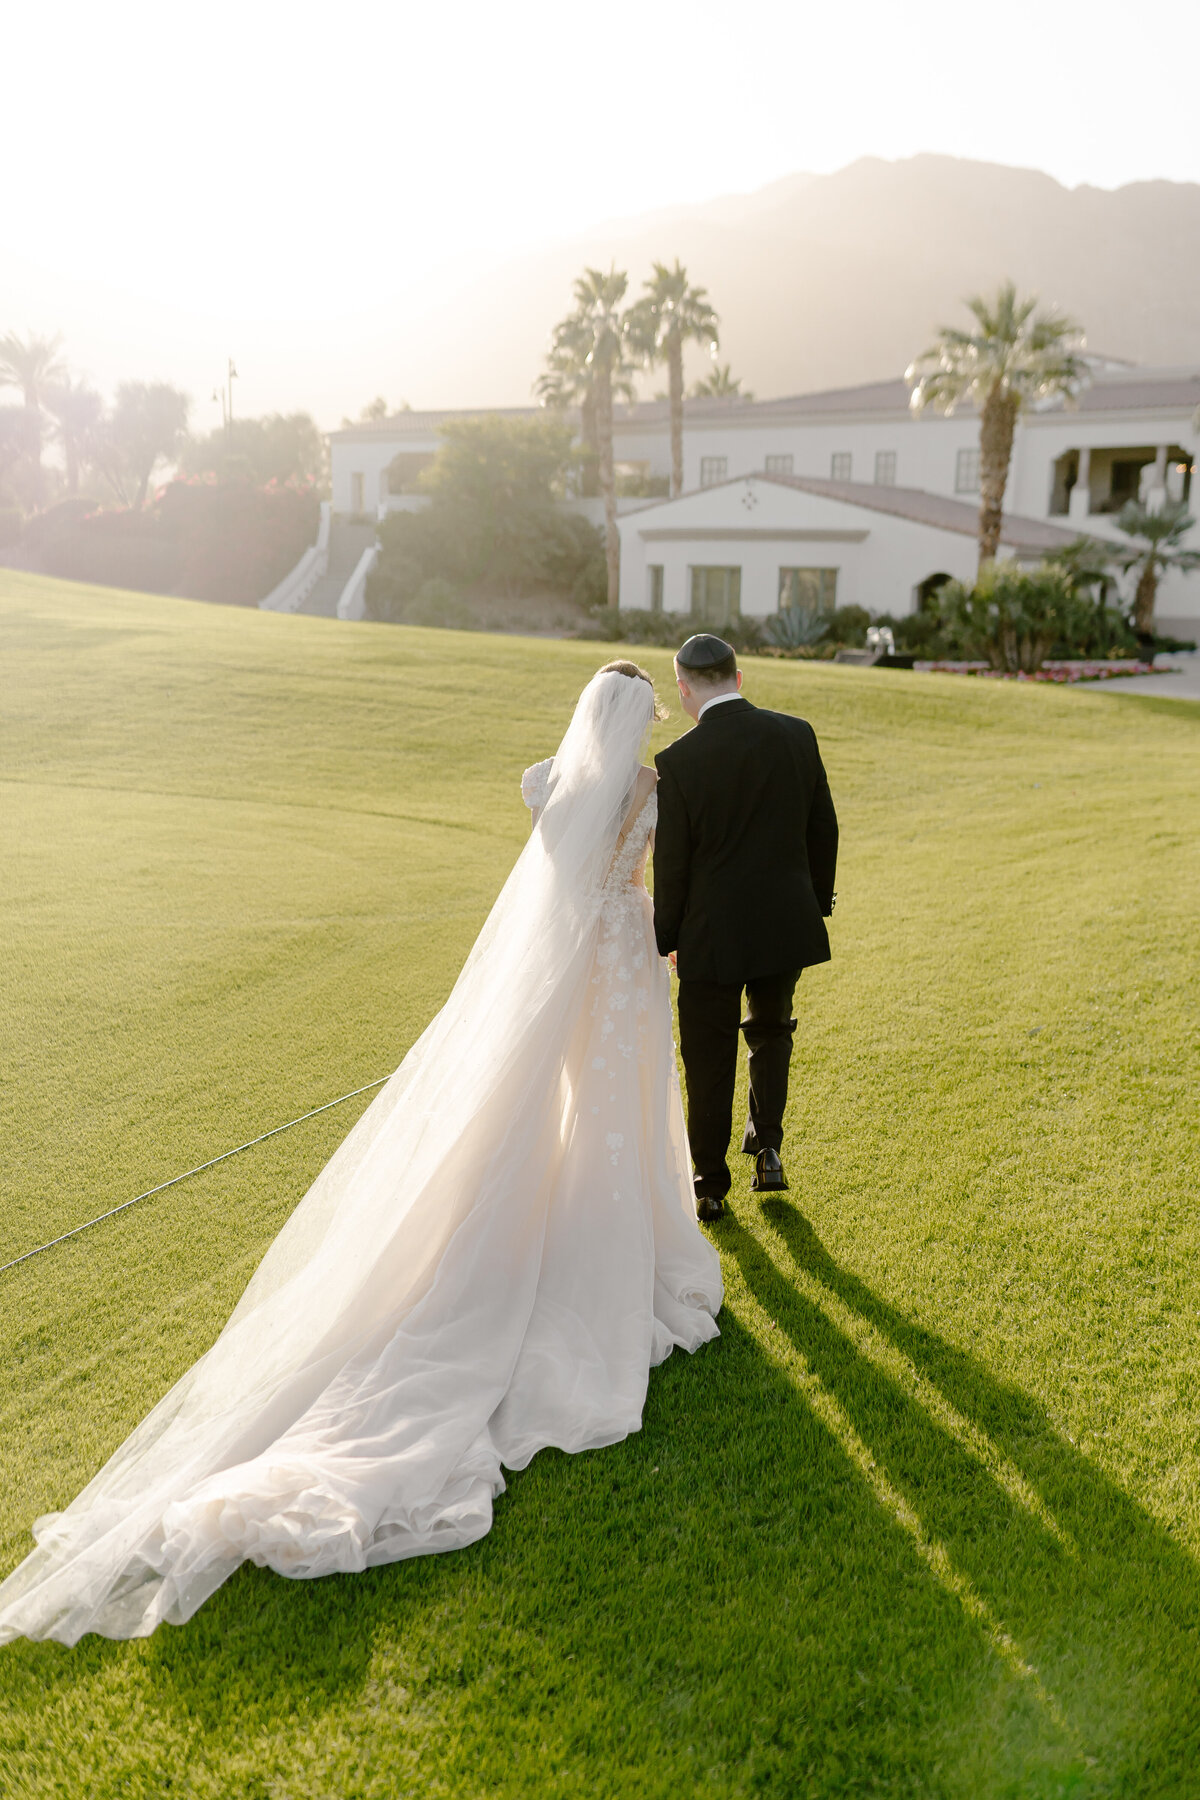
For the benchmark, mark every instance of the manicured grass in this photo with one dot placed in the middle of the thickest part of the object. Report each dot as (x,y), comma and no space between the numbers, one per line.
(923,1522)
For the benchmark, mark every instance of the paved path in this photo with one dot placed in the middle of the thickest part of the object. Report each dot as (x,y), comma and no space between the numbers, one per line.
(1183,686)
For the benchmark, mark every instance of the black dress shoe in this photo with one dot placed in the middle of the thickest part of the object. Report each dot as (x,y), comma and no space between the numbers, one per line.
(708,1207)
(768,1173)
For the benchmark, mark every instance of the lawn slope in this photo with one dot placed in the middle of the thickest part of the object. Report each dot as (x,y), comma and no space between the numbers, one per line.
(923,1522)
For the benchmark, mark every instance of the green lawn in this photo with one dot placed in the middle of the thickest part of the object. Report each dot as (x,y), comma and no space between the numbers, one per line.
(923,1522)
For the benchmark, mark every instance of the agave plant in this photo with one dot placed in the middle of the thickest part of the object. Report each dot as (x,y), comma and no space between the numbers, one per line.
(795,627)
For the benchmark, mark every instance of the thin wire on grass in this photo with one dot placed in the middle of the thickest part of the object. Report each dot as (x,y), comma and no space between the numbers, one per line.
(176,1179)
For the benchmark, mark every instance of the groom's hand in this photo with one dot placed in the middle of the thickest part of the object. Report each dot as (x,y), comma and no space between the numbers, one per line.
(671,958)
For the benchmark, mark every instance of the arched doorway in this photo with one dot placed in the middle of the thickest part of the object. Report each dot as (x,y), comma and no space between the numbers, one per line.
(926,589)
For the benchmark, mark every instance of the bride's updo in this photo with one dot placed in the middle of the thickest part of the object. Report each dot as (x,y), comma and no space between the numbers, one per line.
(635,672)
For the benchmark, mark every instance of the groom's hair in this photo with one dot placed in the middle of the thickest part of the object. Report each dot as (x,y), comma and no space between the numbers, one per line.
(635,672)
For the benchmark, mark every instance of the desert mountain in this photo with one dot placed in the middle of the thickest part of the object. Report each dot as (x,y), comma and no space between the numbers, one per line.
(829,280)
(820,281)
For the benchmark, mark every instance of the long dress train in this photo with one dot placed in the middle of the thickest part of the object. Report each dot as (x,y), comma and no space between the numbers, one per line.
(491,1263)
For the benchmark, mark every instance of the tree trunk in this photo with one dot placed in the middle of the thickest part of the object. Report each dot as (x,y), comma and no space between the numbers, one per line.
(995,454)
(589,442)
(72,456)
(608,486)
(33,439)
(1145,596)
(675,389)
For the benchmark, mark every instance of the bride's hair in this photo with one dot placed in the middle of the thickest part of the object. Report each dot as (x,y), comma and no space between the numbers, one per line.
(636,672)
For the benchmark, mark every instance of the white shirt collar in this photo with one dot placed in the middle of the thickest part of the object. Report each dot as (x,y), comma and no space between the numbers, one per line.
(716,701)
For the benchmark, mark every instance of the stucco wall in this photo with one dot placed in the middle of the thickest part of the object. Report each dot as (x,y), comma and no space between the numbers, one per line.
(926,453)
(925,449)
(880,560)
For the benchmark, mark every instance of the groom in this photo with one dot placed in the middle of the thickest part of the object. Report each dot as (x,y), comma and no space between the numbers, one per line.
(744,858)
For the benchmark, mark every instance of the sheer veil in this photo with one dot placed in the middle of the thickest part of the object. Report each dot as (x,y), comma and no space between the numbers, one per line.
(420,1222)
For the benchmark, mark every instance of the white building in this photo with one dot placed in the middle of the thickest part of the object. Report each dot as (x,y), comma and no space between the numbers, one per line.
(758,541)
(1132,432)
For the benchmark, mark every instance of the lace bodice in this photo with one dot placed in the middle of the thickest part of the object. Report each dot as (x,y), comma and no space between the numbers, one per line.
(629,860)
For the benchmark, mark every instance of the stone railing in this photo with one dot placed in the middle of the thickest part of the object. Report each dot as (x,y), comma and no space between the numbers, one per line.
(353,603)
(295,587)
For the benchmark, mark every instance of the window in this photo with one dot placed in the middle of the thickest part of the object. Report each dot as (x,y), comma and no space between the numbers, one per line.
(778,465)
(654,587)
(716,595)
(966,472)
(885,468)
(356,492)
(811,590)
(841,465)
(713,469)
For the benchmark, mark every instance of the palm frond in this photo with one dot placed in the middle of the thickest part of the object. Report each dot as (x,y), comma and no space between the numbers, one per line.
(1015,351)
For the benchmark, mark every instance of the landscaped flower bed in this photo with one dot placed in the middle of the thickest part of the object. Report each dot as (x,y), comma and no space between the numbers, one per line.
(1050,671)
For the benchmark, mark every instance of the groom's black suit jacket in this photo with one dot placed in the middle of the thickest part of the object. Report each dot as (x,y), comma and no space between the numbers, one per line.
(745,847)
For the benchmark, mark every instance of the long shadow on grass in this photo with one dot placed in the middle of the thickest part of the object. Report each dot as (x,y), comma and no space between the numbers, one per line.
(1098,1598)
(720,1604)
(710,1606)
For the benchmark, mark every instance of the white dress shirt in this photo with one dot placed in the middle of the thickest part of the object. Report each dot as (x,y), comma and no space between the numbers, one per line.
(716,701)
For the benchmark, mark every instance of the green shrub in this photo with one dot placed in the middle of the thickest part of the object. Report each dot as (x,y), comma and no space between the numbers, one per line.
(1102,631)
(1015,617)
(397,577)
(44,529)
(848,625)
(630,625)
(573,560)
(121,548)
(493,527)
(235,542)
(920,633)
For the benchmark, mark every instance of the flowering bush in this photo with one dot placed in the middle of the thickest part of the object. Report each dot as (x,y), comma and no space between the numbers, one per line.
(1049,671)
(200,539)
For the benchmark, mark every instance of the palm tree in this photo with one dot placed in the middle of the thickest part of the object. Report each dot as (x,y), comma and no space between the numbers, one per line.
(589,355)
(33,365)
(1161,534)
(147,426)
(1013,356)
(669,315)
(567,381)
(721,384)
(76,409)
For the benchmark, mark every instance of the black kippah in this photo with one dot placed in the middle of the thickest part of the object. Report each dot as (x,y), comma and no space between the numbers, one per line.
(704,651)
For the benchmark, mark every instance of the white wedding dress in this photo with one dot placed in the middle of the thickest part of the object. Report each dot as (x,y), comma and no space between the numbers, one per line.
(491,1263)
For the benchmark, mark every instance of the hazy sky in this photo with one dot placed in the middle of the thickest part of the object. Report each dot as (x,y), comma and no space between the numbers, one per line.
(262,171)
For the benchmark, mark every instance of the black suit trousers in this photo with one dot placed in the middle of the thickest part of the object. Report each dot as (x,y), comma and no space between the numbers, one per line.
(708,1033)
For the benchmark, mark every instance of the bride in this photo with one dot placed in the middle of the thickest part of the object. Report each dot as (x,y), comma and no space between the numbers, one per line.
(491,1263)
